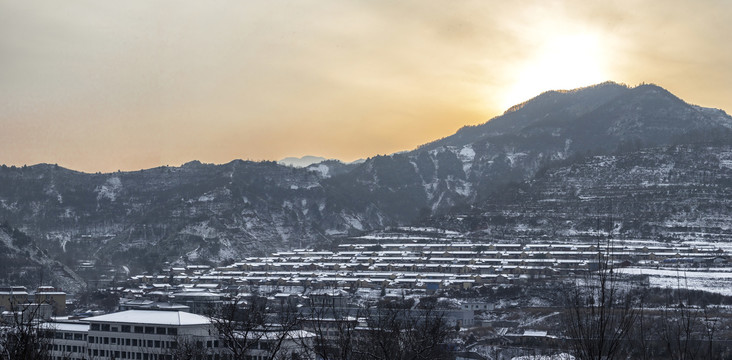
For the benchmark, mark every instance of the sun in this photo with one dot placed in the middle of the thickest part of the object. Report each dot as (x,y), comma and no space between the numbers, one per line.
(561,62)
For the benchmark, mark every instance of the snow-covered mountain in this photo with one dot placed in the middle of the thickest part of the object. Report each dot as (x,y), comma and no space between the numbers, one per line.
(546,154)
(552,129)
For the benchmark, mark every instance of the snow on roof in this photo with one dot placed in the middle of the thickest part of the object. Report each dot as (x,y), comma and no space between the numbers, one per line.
(538,333)
(152,317)
(78,327)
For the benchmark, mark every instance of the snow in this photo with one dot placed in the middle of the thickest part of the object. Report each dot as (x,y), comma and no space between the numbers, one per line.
(12,207)
(78,327)
(227,251)
(201,229)
(334,232)
(321,169)
(110,189)
(427,230)
(717,281)
(513,156)
(467,155)
(152,317)
(353,222)
(463,188)
(562,356)
(51,191)
(206,198)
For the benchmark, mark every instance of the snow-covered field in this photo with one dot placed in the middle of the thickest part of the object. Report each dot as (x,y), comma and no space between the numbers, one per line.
(716,280)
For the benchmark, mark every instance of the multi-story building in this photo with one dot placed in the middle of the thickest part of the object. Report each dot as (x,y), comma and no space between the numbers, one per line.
(52,296)
(149,335)
(66,340)
(159,335)
(12,296)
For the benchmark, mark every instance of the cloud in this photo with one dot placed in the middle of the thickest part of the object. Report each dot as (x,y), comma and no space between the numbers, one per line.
(107,85)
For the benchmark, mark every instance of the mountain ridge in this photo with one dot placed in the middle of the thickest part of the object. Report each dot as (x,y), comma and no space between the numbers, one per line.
(208,212)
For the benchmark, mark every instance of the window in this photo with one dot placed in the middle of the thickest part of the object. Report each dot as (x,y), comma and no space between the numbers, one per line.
(114,340)
(125,328)
(115,329)
(91,339)
(149,330)
(127,342)
(157,343)
(138,329)
(134,342)
(172,331)
(105,327)
(161,331)
(68,336)
(94,327)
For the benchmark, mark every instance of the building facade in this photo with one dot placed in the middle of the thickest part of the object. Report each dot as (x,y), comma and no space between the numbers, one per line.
(158,335)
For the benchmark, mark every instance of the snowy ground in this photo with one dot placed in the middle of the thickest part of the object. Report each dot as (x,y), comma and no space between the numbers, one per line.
(716,280)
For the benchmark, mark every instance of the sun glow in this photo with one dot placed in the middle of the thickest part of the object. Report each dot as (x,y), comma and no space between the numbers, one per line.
(562,62)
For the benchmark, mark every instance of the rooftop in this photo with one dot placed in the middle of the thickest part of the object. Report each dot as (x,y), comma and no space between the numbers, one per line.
(152,317)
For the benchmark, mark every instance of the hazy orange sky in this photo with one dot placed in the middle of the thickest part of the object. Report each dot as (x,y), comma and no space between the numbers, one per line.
(107,85)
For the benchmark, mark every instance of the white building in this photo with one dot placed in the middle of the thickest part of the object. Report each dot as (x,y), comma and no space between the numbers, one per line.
(149,335)
(68,340)
(157,335)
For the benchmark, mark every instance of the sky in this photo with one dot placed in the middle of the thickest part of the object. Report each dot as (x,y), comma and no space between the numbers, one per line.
(128,85)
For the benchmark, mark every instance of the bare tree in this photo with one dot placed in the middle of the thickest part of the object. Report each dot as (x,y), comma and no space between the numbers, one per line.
(21,335)
(332,332)
(687,332)
(246,327)
(399,333)
(641,342)
(600,315)
(187,348)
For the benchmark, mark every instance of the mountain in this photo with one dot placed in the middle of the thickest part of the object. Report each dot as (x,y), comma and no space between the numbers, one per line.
(196,212)
(300,162)
(670,193)
(553,128)
(543,168)
(25,263)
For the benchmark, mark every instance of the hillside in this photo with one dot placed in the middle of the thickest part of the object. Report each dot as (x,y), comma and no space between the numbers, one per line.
(22,262)
(548,167)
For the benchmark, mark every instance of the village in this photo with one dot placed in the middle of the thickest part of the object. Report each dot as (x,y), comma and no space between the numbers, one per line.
(421,266)
(500,296)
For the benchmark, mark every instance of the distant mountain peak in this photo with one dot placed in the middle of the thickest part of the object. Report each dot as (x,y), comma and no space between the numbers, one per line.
(301,162)
(551,93)
(594,117)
